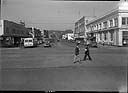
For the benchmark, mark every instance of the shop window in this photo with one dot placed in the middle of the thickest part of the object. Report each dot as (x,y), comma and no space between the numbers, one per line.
(125,37)
(111,35)
(105,36)
(125,34)
(100,36)
(127,20)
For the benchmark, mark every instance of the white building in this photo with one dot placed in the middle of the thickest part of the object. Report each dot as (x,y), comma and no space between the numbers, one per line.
(64,36)
(80,27)
(70,36)
(111,28)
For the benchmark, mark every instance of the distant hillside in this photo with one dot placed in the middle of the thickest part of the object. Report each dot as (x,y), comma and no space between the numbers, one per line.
(68,31)
(58,34)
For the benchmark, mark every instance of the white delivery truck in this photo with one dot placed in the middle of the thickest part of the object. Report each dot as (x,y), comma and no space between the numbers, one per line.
(30,42)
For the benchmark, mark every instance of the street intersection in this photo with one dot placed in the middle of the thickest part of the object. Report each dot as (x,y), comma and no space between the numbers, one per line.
(53,68)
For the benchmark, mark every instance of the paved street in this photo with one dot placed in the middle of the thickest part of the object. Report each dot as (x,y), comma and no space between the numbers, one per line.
(53,69)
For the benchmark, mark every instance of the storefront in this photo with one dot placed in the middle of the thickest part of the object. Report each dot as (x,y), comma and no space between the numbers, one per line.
(12,33)
(125,38)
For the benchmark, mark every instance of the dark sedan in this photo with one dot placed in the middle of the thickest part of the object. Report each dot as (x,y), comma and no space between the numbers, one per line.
(93,44)
(47,45)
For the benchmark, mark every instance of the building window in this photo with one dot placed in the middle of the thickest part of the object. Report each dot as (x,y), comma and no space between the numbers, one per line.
(86,21)
(100,25)
(13,31)
(92,28)
(111,35)
(97,27)
(100,36)
(105,24)
(7,30)
(116,22)
(127,20)
(123,20)
(111,23)
(105,36)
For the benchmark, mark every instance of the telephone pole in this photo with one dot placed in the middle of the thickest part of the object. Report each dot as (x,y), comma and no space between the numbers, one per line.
(94,12)
(1,9)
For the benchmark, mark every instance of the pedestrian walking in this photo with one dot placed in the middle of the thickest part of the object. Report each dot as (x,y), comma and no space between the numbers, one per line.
(76,56)
(87,53)
(21,43)
(103,43)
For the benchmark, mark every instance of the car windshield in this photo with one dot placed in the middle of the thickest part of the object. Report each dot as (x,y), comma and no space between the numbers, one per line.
(30,40)
(26,41)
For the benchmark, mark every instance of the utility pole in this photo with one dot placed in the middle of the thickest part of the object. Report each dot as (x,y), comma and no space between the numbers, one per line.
(94,12)
(1,1)
(79,13)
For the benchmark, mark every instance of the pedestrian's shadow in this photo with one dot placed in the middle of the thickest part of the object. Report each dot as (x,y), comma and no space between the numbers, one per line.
(86,59)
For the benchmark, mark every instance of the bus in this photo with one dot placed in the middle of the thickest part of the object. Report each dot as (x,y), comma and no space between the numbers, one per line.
(30,42)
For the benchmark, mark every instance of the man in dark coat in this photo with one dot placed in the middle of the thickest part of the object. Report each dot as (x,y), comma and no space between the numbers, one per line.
(87,53)
(76,56)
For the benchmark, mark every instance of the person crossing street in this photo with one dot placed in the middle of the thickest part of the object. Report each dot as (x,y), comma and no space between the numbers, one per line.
(87,53)
(76,56)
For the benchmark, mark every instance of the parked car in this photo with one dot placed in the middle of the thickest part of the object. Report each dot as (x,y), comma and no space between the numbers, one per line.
(47,44)
(93,44)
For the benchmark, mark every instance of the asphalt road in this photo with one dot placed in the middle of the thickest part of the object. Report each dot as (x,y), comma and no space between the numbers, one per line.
(53,69)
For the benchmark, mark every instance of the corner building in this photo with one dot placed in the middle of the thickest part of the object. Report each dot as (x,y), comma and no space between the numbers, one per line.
(111,28)
(12,33)
(80,27)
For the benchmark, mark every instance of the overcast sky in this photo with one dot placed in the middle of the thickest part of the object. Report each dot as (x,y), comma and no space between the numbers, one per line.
(56,15)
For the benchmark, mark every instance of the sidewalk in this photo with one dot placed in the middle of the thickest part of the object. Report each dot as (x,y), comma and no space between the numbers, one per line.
(112,47)
(106,46)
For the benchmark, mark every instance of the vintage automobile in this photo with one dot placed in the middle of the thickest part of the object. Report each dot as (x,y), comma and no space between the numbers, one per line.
(93,44)
(47,44)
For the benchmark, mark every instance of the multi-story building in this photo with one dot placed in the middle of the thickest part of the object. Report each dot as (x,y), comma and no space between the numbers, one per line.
(11,33)
(80,27)
(46,34)
(56,34)
(111,28)
(36,33)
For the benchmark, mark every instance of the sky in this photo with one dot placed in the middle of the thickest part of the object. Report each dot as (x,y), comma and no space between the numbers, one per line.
(53,15)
